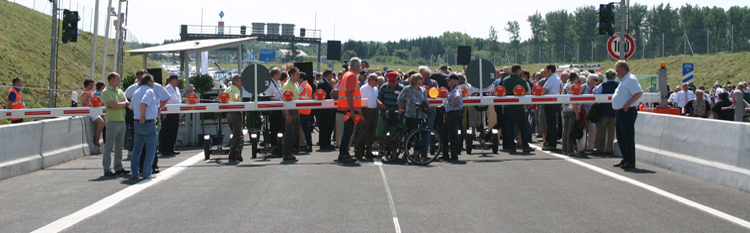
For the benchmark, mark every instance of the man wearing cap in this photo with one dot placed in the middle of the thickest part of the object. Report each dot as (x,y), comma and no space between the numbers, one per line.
(387,96)
(170,122)
(362,77)
(453,113)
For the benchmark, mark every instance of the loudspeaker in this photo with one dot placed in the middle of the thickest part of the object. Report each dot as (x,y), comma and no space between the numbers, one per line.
(334,50)
(306,67)
(464,55)
(156,73)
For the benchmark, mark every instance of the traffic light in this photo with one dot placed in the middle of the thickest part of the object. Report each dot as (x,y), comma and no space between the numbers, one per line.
(302,32)
(606,25)
(70,26)
(243,30)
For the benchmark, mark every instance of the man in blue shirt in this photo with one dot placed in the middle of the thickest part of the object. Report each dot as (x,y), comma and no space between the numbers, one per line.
(453,112)
(146,109)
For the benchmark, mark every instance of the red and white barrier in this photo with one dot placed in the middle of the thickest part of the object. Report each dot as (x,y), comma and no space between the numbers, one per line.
(318,104)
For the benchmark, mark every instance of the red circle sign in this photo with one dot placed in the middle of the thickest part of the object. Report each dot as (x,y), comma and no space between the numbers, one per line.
(614,41)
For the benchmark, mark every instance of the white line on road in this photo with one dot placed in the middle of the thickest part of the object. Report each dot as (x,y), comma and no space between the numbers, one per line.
(379,163)
(111,200)
(654,189)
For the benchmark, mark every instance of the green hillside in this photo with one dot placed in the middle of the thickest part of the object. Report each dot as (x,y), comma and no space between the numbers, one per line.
(25,49)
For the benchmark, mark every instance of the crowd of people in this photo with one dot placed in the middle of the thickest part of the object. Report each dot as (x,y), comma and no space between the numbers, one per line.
(363,124)
(718,103)
(131,116)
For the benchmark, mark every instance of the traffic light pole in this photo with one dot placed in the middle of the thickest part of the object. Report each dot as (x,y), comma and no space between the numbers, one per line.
(53,56)
(623,22)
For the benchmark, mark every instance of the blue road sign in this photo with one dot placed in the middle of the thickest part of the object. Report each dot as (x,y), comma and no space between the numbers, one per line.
(688,71)
(267,55)
(385,68)
(221,14)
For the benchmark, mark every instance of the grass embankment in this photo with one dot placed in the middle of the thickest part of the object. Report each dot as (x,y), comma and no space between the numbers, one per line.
(25,52)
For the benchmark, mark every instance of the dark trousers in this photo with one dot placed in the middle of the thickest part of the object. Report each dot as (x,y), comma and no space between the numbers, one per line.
(625,124)
(305,121)
(277,119)
(17,121)
(291,132)
(326,124)
(234,119)
(168,133)
(346,134)
(515,117)
(551,113)
(500,118)
(366,132)
(129,130)
(452,126)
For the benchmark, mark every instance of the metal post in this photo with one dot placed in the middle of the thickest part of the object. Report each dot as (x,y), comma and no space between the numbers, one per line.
(53,56)
(739,105)
(661,83)
(481,83)
(318,52)
(662,45)
(145,61)
(118,36)
(93,45)
(106,40)
(592,51)
(240,59)
(732,40)
(623,21)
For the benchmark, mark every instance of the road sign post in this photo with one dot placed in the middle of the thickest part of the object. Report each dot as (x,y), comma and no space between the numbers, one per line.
(615,47)
(688,71)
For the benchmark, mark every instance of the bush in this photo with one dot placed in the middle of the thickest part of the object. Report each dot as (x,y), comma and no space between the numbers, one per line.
(127,81)
(202,84)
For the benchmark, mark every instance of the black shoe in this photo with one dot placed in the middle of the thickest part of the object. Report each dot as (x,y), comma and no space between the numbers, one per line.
(327,147)
(618,164)
(122,172)
(175,152)
(528,150)
(155,171)
(109,174)
(627,166)
(347,159)
(289,158)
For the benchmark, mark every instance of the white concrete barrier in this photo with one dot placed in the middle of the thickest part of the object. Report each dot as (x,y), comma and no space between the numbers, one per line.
(33,146)
(712,150)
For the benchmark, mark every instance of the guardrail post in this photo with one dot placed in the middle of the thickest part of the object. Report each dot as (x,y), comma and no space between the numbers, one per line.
(661,83)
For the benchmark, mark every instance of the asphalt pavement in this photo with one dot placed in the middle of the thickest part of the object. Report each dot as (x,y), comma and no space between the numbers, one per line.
(538,192)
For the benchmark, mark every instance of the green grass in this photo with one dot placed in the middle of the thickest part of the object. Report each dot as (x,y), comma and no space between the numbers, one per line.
(25,52)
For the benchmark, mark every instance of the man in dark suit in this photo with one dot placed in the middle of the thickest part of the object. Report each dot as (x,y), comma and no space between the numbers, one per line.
(326,117)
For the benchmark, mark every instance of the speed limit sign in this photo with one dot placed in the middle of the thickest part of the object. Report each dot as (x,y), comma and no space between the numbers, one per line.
(613,46)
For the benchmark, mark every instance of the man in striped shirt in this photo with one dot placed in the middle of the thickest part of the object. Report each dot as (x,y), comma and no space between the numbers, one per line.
(387,95)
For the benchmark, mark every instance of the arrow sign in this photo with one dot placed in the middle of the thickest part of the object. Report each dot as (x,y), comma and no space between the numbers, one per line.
(688,69)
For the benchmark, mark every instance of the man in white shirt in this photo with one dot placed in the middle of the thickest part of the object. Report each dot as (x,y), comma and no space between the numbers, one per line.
(276,116)
(146,109)
(170,122)
(682,97)
(551,87)
(366,129)
(625,102)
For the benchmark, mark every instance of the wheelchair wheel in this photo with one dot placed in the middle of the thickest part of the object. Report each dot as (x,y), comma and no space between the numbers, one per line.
(469,143)
(207,149)
(494,143)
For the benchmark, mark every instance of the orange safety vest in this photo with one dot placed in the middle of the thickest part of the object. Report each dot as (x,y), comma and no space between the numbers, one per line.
(343,105)
(18,104)
(306,95)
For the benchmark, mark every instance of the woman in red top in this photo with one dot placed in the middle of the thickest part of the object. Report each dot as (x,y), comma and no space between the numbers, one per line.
(86,96)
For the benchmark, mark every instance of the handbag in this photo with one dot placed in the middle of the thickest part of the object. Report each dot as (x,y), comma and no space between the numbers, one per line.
(595,113)
(577,132)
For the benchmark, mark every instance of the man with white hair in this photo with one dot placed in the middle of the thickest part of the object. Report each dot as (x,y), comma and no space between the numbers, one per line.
(682,97)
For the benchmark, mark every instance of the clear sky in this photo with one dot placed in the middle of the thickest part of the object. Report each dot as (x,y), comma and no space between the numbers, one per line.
(383,20)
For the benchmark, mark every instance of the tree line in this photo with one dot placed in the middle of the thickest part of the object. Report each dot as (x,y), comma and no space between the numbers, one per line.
(571,37)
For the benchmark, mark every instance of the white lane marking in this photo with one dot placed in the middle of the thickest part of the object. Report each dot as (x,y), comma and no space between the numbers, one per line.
(111,200)
(653,189)
(379,163)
